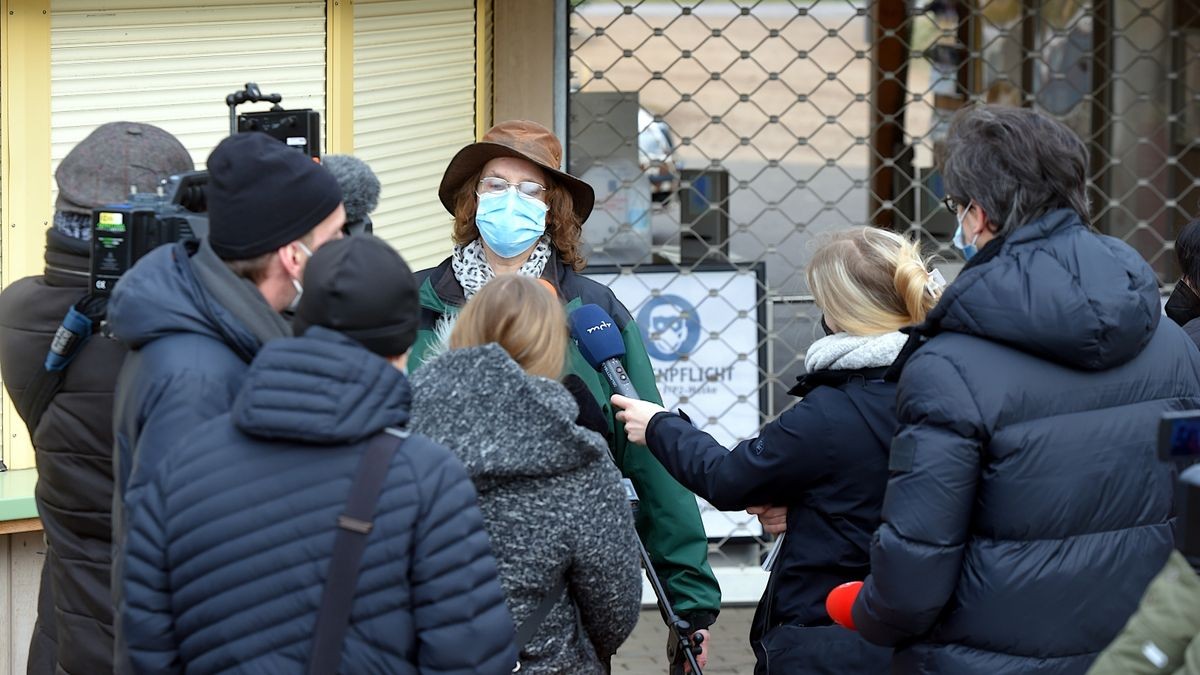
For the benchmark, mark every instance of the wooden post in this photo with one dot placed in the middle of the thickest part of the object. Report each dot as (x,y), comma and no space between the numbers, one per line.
(523,45)
(889,93)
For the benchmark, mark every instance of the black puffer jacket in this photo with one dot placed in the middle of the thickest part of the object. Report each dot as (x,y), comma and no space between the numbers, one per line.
(230,546)
(73,446)
(825,458)
(1027,510)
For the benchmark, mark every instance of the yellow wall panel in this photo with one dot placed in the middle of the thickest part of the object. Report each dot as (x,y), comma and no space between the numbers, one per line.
(414,107)
(26,147)
(172,62)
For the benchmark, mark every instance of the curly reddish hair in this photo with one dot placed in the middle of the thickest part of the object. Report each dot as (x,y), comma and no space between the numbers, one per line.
(562,224)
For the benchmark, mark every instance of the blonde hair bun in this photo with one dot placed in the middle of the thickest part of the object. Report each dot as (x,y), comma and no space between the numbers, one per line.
(871,281)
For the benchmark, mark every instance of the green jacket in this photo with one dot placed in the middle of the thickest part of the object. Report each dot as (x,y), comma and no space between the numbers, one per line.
(668,520)
(1161,638)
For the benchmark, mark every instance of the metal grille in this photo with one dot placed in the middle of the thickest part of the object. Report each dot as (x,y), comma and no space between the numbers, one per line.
(787,119)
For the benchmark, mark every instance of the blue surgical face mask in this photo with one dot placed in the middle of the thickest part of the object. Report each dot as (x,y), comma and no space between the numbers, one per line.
(968,250)
(510,223)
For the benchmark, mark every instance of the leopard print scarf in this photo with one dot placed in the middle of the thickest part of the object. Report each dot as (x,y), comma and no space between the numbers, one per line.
(472,270)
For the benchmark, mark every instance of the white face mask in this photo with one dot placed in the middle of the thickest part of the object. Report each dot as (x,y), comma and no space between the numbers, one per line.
(296,282)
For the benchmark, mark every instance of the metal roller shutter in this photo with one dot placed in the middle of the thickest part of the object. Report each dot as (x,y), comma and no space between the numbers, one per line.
(172,62)
(414,84)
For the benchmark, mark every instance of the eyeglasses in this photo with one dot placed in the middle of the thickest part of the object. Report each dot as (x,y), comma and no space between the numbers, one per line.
(952,204)
(494,185)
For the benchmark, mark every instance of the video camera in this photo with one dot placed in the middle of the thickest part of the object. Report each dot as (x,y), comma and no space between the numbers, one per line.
(1179,442)
(123,233)
(177,211)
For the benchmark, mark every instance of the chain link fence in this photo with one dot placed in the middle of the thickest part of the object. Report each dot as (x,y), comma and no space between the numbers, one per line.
(725,136)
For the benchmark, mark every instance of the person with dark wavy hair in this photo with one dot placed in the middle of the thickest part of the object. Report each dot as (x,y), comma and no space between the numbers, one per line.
(516,212)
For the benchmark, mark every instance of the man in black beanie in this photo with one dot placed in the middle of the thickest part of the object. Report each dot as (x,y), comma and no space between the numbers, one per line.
(72,433)
(194,315)
(235,531)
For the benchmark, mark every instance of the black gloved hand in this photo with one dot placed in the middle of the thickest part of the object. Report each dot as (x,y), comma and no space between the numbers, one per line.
(591,415)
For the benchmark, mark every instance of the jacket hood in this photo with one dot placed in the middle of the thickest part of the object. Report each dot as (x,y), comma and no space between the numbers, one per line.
(322,389)
(1059,291)
(503,424)
(161,296)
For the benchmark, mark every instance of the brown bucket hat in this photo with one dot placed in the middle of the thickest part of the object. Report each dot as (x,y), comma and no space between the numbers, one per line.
(524,140)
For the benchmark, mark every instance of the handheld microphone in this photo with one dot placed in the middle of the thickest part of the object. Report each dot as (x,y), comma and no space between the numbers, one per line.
(840,602)
(600,343)
(360,190)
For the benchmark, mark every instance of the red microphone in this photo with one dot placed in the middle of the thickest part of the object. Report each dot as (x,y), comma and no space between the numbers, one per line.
(839,602)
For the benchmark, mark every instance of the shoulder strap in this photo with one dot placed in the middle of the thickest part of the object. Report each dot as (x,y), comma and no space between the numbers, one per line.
(77,326)
(354,526)
(531,623)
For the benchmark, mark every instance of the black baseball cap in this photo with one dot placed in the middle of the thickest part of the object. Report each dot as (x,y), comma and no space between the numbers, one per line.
(360,286)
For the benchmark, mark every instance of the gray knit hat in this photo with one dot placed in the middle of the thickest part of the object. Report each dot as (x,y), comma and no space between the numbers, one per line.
(103,166)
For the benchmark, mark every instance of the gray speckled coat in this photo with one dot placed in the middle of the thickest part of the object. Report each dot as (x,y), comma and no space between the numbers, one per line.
(551,499)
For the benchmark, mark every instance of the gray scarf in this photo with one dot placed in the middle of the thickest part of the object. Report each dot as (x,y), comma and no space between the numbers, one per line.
(843,351)
(237,295)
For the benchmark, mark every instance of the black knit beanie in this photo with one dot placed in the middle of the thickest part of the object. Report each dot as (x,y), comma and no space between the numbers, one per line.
(263,194)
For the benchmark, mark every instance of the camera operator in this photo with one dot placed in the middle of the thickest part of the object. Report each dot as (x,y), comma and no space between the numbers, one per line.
(1183,307)
(194,315)
(72,434)
(236,550)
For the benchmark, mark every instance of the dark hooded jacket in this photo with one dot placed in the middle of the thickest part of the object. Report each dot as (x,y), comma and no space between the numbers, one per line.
(188,354)
(73,448)
(189,351)
(1027,510)
(550,496)
(231,540)
(825,458)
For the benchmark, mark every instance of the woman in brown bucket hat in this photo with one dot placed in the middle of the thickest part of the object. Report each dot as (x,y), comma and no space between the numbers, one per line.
(516,212)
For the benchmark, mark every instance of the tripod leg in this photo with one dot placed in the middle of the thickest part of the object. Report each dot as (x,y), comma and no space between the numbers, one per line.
(679,633)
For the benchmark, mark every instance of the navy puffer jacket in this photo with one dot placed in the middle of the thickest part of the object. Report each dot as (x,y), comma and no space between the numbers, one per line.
(1027,510)
(228,550)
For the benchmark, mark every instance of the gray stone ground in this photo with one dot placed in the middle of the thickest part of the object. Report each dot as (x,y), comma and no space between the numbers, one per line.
(644,652)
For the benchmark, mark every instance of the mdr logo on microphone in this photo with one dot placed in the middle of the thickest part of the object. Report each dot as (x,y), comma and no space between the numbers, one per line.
(703,332)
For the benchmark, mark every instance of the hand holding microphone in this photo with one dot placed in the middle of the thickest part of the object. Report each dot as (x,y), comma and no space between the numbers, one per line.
(636,416)
(601,344)
(840,603)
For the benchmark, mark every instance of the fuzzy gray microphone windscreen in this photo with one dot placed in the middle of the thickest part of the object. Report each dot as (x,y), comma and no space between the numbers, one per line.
(360,185)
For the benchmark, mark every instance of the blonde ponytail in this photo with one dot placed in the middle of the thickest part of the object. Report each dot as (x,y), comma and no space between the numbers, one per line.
(871,281)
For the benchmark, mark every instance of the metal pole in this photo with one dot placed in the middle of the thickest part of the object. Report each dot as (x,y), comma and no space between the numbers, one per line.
(675,624)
